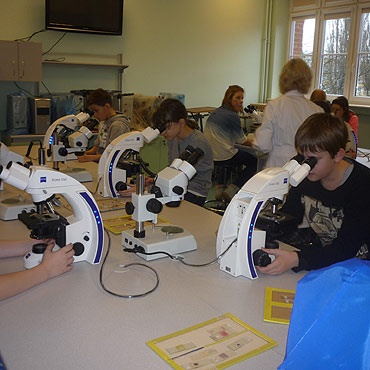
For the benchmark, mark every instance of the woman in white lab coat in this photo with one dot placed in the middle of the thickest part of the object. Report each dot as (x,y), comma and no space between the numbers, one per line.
(283,116)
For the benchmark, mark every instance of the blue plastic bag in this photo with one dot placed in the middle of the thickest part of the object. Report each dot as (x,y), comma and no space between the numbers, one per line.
(330,321)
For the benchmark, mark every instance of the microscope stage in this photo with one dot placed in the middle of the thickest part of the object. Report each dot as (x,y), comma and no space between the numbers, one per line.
(156,240)
(11,207)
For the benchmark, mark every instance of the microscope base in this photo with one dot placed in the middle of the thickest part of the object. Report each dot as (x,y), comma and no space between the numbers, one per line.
(79,174)
(156,240)
(11,207)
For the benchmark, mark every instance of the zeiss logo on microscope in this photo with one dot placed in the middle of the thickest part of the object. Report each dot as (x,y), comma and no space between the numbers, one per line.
(42,179)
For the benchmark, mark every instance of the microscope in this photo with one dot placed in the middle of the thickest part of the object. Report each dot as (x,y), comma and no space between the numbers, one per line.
(84,228)
(7,156)
(65,139)
(11,204)
(111,176)
(169,188)
(237,228)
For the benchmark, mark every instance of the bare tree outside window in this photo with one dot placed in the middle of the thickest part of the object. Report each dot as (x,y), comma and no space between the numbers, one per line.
(334,55)
(363,62)
(333,37)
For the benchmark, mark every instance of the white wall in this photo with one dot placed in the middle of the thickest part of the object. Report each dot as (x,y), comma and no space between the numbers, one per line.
(195,47)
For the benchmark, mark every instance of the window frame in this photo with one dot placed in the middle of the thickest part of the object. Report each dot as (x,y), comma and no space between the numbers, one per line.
(300,16)
(357,100)
(354,10)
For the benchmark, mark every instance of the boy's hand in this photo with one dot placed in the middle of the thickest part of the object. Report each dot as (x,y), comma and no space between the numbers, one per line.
(58,262)
(284,261)
(127,193)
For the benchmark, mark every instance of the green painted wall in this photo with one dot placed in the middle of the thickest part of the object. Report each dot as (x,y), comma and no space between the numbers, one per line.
(279,45)
(194,47)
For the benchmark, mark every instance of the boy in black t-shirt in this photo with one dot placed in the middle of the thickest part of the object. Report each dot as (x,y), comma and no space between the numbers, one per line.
(334,199)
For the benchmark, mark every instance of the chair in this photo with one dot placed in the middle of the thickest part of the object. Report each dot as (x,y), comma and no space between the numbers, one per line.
(223,174)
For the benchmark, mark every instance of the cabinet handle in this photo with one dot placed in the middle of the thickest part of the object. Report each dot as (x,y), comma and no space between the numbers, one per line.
(14,70)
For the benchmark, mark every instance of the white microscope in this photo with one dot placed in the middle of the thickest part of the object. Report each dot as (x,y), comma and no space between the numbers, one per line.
(84,229)
(112,178)
(65,139)
(169,188)
(11,204)
(7,156)
(237,228)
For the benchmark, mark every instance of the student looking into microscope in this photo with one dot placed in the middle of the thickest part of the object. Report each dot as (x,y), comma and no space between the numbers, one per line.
(112,124)
(181,132)
(334,200)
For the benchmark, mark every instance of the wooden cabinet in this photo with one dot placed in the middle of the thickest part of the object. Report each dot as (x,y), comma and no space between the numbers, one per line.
(20,61)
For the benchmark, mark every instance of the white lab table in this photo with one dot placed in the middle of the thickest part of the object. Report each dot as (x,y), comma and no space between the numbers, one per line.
(363,156)
(70,322)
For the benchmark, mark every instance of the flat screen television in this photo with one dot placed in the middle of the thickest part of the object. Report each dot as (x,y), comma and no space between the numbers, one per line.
(87,16)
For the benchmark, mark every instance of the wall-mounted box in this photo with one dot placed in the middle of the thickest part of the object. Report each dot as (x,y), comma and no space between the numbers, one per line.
(20,61)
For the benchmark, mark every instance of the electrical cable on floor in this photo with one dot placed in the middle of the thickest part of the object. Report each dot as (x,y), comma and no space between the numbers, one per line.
(125,266)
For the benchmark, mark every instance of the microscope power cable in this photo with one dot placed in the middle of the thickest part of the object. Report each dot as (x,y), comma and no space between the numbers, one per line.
(178,257)
(125,266)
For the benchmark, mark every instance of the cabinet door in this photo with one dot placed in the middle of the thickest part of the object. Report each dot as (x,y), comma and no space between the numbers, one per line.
(29,61)
(8,61)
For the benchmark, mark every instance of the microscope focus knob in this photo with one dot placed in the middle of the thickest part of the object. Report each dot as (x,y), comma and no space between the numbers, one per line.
(39,248)
(154,205)
(63,152)
(78,248)
(261,258)
(120,186)
(130,208)
(178,190)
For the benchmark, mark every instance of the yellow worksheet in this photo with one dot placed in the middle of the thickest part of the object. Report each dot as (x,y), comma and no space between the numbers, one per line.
(278,305)
(214,344)
(118,224)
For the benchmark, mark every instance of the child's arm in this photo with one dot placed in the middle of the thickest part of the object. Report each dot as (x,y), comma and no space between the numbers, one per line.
(89,158)
(90,155)
(14,248)
(92,150)
(53,264)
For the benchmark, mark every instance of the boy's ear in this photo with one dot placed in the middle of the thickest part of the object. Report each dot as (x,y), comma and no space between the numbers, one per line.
(340,155)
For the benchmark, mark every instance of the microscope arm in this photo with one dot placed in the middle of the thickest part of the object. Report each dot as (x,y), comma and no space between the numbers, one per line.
(84,229)
(71,121)
(238,222)
(109,175)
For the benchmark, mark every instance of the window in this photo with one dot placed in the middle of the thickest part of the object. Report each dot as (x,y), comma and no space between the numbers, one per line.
(362,87)
(303,39)
(335,41)
(333,55)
